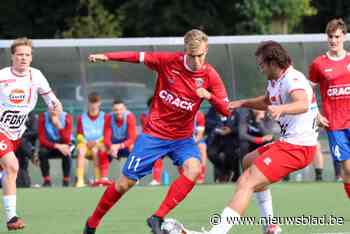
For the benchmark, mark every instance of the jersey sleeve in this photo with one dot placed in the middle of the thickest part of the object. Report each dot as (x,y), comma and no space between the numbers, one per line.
(219,95)
(314,72)
(153,60)
(44,87)
(295,82)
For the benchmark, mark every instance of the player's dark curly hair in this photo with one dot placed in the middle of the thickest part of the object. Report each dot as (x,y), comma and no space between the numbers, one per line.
(271,51)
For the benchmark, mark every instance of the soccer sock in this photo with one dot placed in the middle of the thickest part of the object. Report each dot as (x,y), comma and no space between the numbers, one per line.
(201,176)
(104,164)
(264,200)
(10,206)
(229,217)
(177,192)
(108,199)
(80,175)
(347,189)
(97,173)
(157,170)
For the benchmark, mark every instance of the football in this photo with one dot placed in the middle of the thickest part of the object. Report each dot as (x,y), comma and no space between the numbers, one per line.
(172,226)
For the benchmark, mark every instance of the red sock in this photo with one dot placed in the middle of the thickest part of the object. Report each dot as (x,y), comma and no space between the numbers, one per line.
(47,178)
(103,163)
(157,170)
(177,192)
(201,176)
(108,199)
(347,189)
(180,170)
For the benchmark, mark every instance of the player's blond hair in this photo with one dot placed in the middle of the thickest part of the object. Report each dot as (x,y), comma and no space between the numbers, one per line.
(23,41)
(335,24)
(194,38)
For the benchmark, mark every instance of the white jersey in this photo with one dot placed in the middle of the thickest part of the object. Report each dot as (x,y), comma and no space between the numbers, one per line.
(297,129)
(18,96)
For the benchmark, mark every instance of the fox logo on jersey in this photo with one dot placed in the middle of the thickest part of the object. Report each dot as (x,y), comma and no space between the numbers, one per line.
(13,119)
(17,96)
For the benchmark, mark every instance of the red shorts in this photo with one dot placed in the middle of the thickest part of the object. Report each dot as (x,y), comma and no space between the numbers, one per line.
(278,159)
(7,145)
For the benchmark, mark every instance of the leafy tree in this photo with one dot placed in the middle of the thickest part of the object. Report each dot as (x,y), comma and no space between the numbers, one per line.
(94,20)
(281,16)
(35,19)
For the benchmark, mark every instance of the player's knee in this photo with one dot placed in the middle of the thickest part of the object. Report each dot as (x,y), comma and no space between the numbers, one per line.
(124,185)
(11,169)
(192,169)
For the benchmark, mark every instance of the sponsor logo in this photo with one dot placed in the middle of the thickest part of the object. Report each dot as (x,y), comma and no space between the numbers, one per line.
(338,91)
(175,101)
(17,96)
(13,119)
(328,70)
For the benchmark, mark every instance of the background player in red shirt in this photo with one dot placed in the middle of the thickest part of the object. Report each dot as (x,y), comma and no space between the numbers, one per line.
(332,72)
(184,80)
(119,136)
(55,137)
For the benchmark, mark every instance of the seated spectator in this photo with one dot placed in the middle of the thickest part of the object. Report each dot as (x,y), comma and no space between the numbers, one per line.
(90,137)
(254,129)
(25,152)
(55,137)
(119,136)
(222,146)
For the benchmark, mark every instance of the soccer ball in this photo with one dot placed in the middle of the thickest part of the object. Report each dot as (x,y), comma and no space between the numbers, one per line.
(172,226)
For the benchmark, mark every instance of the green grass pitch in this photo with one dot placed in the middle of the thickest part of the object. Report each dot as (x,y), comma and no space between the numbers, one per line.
(64,211)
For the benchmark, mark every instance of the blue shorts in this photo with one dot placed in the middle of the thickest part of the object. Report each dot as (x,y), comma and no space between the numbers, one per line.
(339,144)
(148,149)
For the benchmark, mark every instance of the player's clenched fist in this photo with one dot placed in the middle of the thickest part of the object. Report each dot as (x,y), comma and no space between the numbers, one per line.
(275,111)
(203,93)
(97,57)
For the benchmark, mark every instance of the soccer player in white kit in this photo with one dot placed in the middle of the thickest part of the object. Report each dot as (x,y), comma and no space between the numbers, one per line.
(20,85)
(289,99)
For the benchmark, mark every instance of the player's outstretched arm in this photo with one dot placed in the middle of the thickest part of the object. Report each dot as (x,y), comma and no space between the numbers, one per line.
(258,103)
(97,57)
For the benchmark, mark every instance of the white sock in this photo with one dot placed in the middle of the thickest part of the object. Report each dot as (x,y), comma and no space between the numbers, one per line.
(225,225)
(10,206)
(264,200)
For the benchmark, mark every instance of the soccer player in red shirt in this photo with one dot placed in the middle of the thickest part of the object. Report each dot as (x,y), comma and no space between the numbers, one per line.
(184,80)
(332,72)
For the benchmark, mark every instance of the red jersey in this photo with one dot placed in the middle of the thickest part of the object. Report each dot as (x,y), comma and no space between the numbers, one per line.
(175,102)
(65,133)
(334,79)
(131,130)
(200,120)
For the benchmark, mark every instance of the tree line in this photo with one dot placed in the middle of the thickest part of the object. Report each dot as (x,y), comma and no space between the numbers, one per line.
(147,18)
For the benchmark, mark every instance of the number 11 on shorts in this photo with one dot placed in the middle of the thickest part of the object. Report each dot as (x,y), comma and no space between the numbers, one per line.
(135,161)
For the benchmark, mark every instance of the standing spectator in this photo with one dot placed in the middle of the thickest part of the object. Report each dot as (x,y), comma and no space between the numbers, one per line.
(119,136)
(19,90)
(184,81)
(55,137)
(331,72)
